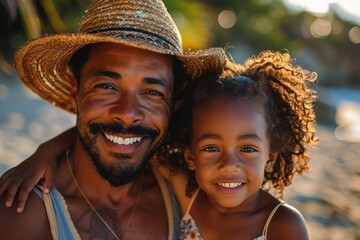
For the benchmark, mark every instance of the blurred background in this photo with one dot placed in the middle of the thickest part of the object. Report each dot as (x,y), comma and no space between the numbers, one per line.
(321,35)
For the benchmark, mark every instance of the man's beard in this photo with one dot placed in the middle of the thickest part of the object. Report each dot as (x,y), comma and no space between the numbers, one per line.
(121,171)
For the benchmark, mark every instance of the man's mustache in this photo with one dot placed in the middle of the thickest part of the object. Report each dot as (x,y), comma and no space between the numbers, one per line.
(97,128)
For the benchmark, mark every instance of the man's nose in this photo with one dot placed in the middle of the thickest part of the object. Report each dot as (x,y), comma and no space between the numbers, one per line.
(230,162)
(127,109)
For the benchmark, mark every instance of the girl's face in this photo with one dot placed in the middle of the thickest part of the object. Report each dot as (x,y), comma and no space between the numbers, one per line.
(229,150)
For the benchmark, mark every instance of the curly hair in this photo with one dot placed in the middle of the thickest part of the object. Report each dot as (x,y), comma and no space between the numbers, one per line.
(280,88)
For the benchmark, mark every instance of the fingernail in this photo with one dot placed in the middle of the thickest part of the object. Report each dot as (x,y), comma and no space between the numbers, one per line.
(46,190)
(19,210)
(7,204)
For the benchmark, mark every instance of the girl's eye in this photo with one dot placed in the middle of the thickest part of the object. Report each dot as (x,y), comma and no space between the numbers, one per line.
(248,149)
(105,86)
(211,149)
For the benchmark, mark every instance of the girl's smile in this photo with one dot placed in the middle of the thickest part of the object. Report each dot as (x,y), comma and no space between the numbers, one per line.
(230,187)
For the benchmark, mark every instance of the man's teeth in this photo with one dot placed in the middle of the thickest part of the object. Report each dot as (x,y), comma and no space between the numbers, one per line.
(230,185)
(124,141)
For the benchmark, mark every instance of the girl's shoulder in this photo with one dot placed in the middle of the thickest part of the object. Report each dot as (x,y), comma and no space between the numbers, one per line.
(283,220)
(287,223)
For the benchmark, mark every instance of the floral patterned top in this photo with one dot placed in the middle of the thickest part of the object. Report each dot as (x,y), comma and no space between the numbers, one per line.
(190,231)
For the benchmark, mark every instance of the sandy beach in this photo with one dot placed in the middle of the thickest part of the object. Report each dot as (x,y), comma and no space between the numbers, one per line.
(328,195)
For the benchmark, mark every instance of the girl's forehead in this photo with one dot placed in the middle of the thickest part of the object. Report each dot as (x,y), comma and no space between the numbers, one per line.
(229,110)
(228,104)
(229,120)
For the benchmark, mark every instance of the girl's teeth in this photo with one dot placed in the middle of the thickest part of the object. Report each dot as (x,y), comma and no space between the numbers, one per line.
(230,185)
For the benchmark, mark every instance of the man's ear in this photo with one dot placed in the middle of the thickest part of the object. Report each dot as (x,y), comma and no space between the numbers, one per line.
(189,159)
(269,167)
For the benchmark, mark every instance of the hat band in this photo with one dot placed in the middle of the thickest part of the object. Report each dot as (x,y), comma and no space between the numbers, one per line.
(164,42)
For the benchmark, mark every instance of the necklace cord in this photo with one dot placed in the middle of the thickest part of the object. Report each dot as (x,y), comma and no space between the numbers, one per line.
(92,206)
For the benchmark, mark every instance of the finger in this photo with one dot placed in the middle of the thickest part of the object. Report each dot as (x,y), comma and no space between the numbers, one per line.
(23,195)
(4,181)
(11,192)
(7,173)
(49,179)
(3,186)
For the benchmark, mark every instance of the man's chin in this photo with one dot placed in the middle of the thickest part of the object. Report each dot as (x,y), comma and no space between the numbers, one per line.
(117,173)
(118,168)
(118,179)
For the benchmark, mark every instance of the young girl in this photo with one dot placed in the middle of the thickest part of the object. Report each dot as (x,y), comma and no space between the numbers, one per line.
(240,135)
(249,131)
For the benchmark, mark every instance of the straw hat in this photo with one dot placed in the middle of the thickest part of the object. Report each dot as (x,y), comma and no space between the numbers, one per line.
(42,64)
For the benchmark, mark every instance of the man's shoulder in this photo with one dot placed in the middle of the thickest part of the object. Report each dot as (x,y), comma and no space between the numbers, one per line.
(32,223)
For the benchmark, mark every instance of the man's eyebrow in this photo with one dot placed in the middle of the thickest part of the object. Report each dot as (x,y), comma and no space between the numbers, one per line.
(157,81)
(149,80)
(109,74)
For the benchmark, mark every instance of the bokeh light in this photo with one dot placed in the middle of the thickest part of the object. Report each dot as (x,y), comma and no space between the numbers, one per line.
(320,28)
(354,35)
(227,19)
(348,118)
(16,121)
(347,113)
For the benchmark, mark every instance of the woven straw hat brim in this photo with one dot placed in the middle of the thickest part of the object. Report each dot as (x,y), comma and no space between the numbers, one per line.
(42,64)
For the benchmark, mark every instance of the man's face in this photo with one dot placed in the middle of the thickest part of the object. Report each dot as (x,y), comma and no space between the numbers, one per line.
(124,102)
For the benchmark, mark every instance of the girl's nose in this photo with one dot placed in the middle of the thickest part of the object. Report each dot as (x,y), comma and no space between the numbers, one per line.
(230,163)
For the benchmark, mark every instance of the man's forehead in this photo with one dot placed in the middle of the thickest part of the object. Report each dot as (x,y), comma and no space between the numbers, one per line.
(108,48)
(122,53)
(108,57)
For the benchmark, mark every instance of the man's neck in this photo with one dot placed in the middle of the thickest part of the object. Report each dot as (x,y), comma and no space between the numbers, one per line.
(134,206)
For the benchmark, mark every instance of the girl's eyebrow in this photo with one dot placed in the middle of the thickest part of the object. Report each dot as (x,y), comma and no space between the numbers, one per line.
(250,136)
(240,137)
(208,136)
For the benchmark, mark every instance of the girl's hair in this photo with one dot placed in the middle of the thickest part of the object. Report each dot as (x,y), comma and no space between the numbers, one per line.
(280,89)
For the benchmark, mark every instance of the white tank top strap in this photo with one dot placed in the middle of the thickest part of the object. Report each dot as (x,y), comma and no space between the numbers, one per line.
(168,203)
(192,201)
(269,219)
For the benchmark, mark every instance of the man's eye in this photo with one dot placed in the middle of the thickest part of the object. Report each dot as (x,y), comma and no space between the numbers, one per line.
(105,86)
(248,149)
(211,149)
(154,93)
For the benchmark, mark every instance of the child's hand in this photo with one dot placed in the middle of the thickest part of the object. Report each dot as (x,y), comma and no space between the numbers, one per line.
(21,179)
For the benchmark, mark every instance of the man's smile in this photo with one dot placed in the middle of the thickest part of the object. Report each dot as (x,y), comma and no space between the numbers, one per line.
(121,140)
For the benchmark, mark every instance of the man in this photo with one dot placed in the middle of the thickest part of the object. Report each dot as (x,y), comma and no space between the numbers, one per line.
(118,75)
